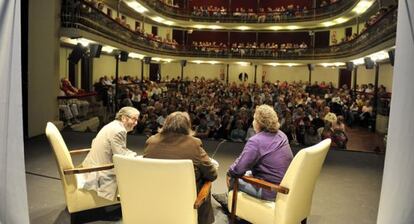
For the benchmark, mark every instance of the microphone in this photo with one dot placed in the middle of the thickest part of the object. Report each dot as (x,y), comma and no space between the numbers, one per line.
(217,147)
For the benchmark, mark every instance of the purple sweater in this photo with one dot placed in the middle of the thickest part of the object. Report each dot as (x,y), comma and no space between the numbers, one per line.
(268,156)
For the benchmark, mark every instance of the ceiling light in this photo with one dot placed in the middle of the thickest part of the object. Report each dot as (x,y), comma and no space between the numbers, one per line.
(293,27)
(136,6)
(242,63)
(379,56)
(169,23)
(199,26)
(273,64)
(275,27)
(358,61)
(108,49)
(157,19)
(362,6)
(214,27)
(84,42)
(341,20)
(135,55)
(243,27)
(328,24)
(167,60)
(197,61)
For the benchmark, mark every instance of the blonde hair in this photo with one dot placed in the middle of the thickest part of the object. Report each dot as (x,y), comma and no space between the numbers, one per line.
(266,118)
(177,122)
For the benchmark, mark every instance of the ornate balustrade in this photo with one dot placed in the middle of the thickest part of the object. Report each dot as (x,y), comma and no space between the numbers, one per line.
(287,16)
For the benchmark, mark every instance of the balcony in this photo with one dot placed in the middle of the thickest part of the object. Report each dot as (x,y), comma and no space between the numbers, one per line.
(85,18)
(287,16)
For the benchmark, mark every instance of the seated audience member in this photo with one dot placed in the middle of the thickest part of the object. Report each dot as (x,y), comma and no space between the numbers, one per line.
(238,134)
(339,137)
(267,155)
(327,130)
(110,140)
(202,130)
(69,90)
(311,136)
(70,112)
(366,114)
(175,141)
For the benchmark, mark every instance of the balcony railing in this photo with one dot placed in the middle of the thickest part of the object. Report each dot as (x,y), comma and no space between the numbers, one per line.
(87,18)
(236,17)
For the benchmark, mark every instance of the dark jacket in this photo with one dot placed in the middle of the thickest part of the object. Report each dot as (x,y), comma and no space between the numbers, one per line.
(180,146)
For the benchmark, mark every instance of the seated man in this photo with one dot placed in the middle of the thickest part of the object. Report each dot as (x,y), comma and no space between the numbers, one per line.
(110,140)
(266,155)
(175,141)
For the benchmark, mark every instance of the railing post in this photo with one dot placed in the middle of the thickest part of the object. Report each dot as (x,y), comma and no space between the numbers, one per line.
(116,80)
(375,109)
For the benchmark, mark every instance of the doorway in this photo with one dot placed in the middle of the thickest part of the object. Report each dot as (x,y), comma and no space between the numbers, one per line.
(345,77)
(155,72)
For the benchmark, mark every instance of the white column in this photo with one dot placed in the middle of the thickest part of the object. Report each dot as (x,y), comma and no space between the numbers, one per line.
(397,195)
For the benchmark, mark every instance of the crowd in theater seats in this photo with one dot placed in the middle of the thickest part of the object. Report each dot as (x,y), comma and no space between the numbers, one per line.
(370,22)
(262,14)
(307,113)
(153,40)
(262,49)
(242,49)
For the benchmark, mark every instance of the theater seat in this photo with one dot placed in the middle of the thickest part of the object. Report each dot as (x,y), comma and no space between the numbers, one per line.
(294,197)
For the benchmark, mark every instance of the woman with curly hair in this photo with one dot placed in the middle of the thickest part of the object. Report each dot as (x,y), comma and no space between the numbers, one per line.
(266,155)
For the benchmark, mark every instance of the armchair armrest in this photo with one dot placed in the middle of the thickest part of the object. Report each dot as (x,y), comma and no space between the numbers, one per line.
(79,151)
(265,185)
(88,169)
(202,195)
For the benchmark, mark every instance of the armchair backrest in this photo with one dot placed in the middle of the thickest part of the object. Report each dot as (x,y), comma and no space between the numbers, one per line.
(156,190)
(63,158)
(60,149)
(300,178)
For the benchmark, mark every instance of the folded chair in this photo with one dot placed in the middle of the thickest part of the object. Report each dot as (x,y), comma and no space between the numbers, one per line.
(76,199)
(294,194)
(155,191)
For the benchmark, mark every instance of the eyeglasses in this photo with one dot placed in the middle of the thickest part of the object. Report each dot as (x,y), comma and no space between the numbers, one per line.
(133,118)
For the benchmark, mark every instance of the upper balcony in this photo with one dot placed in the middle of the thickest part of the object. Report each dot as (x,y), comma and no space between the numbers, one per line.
(263,15)
(83,20)
(250,12)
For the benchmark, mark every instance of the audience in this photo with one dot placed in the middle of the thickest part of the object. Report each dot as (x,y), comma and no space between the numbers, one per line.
(224,111)
(73,107)
(261,15)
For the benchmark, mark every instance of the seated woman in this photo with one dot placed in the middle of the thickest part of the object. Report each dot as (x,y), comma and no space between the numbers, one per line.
(267,155)
(175,141)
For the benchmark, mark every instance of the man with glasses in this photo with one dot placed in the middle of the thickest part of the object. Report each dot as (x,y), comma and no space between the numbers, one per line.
(110,140)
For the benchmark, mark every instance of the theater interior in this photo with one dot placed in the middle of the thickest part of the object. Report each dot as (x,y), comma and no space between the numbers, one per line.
(83,60)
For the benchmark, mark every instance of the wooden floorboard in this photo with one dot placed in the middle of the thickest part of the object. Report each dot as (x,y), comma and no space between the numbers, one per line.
(362,139)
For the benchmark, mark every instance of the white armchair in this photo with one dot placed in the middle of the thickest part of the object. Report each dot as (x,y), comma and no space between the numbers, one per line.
(76,199)
(154,191)
(294,198)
